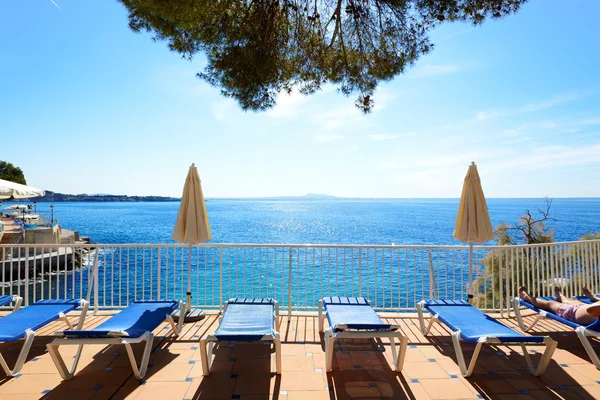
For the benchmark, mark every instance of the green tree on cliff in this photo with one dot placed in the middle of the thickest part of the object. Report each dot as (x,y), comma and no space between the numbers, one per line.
(257,48)
(9,172)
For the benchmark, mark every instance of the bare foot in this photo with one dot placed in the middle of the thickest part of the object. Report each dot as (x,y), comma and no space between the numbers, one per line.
(525,296)
(587,293)
(557,294)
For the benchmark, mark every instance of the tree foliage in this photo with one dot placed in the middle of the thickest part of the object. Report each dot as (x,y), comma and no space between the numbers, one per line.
(9,172)
(257,48)
(529,229)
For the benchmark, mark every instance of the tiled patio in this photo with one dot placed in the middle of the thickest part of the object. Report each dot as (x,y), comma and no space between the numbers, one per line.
(361,368)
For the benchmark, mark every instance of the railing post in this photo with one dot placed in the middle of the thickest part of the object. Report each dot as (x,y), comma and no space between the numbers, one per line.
(220,279)
(158,277)
(290,286)
(96,282)
(359,272)
(26,293)
(432,290)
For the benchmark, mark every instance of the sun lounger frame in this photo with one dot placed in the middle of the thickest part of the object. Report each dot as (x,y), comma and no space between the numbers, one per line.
(330,335)
(18,300)
(583,332)
(207,344)
(548,342)
(30,335)
(120,337)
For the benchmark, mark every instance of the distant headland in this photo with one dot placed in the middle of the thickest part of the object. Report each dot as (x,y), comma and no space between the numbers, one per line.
(55,197)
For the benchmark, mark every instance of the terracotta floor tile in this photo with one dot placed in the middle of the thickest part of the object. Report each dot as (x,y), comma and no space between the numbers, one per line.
(421,370)
(297,363)
(308,395)
(588,392)
(211,388)
(21,396)
(412,355)
(566,377)
(261,384)
(430,352)
(218,369)
(291,349)
(168,373)
(588,370)
(30,384)
(295,380)
(318,360)
(251,350)
(446,389)
(253,366)
(163,390)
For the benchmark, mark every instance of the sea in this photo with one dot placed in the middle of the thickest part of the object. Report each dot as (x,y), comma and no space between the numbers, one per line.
(331,221)
(389,279)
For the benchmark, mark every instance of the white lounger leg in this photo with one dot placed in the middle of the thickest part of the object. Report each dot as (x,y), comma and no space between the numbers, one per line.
(277,342)
(582,333)
(321,316)
(517,308)
(546,357)
(399,358)
(29,335)
(461,358)
(204,357)
(329,344)
(140,371)
(64,372)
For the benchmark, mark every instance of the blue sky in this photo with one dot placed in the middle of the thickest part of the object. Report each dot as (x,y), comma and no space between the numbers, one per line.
(88,106)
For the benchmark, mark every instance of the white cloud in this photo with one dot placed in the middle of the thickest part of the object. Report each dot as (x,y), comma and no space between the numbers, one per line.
(288,105)
(328,137)
(532,107)
(381,136)
(354,148)
(554,156)
(530,125)
(337,117)
(223,109)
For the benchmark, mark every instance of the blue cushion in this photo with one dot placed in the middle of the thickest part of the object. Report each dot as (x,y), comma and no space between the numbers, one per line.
(6,300)
(595,326)
(354,313)
(138,318)
(247,320)
(41,313)
(474,324)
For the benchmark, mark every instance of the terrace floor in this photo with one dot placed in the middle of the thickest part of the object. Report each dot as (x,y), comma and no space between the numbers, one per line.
(361,368)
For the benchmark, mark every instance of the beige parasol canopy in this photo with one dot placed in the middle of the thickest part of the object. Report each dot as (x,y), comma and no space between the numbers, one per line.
(192,227)
(12,190)
(473,223)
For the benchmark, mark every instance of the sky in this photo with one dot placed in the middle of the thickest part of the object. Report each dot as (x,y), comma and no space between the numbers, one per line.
(89,106)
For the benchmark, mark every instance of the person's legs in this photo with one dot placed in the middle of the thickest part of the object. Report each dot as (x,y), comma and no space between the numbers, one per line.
(565,300)
(589,294)
(548,305)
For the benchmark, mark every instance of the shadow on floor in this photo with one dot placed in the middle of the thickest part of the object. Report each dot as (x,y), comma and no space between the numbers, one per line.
(361,370)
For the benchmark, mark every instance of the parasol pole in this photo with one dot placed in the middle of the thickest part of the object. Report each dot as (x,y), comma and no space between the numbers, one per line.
(189,279)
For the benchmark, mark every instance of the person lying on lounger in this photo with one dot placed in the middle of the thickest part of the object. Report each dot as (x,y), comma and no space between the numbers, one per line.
(569,309)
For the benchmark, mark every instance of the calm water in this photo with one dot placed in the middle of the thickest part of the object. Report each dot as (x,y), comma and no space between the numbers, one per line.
(397,280)
(404,221)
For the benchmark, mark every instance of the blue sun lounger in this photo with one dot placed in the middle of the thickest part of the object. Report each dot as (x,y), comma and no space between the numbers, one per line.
(245,320)
(21,324)
(473,326)
(132,325)
(353,317)
(582,331)
(10,298)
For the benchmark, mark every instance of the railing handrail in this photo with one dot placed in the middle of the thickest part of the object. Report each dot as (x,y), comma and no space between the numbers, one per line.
(301,245)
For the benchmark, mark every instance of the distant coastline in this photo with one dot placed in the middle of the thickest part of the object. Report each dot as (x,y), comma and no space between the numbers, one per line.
(54,197)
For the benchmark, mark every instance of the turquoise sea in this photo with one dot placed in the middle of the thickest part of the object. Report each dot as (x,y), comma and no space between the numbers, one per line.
(339,221)
(390,279)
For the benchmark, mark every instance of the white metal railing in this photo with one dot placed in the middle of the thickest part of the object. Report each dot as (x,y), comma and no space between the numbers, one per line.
(394,278)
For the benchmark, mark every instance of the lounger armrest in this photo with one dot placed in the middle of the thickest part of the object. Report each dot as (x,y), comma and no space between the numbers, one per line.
(18,300)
